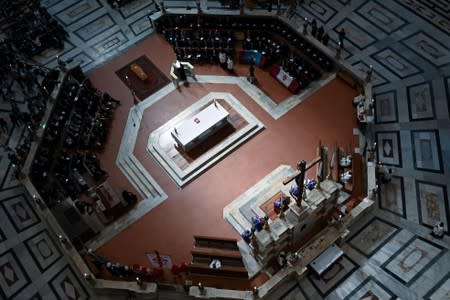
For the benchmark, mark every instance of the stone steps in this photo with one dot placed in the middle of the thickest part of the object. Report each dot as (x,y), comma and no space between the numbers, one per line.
(139,177)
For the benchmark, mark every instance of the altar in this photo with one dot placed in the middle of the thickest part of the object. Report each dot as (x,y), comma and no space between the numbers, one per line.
(197,128)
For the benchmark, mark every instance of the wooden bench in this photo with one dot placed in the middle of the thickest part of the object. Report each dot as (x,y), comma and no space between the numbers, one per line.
(207,249)
(200,251)
(225,271)
(214,242)
(226,257)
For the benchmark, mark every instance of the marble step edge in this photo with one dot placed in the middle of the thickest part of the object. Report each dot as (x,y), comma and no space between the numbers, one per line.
(199,169)
(140,179)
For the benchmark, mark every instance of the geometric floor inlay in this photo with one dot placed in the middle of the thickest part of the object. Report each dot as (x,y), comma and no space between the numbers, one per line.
(412,260)
(372,236)
(441,290)
(13,277)
(333,277)
(371,289)
(66,285)
(43,250)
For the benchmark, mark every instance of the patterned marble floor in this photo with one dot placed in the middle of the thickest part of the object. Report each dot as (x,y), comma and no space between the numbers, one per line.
(390,254)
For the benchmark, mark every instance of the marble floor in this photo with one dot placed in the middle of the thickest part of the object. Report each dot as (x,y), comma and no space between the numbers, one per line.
(388,255)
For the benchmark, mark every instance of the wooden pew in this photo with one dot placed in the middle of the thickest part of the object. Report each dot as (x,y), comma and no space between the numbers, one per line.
(224,271)
(214,242)
(206,249)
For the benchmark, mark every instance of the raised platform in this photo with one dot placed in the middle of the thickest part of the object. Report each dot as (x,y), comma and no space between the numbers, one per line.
(183,166)
(239,212)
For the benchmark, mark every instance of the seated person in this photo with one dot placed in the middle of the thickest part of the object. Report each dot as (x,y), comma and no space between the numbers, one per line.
(129,197)
(345,161)
(346,177)
(438,230)
(215,264)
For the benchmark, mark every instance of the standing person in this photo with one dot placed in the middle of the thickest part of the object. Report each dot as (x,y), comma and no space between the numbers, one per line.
(222,59)
(341,37)
(314,27)
(3,125)
(230,65)
(325,39)
(305,26)
(320,33)
(251,76)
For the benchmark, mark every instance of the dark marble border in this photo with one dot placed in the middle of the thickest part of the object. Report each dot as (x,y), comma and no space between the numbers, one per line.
(383,80)
(310,10)
(55,14)
(55,292)
(398,229)
(26,200)
(43,3)
(403,215)
(291,289)
(58,250)
(419,53)
(362,284)
(138,33)
(447,89)
(36,296)
(423,270)
(2,235)
(145,7)
(25,276)
(390,69)
(398,146)
(339,25)
(109,37)
(436,287)
(438,145)
(98,33)
(421,11)
(356,10)
(82,64)
(446,204)
(395,106)
(46,59)
(431,100)
(333,288)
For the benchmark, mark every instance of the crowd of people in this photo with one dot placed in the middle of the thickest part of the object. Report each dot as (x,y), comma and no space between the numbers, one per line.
(76,130)
(317,32)
(132,272)
(300,69)
(211,39)
(266,45)
(31,28)
(200,46)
